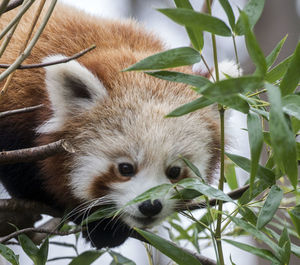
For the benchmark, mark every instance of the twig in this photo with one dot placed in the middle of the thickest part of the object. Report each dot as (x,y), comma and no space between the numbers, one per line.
(39,230)
(52,225)
(18,111)
(16,18)
(34,153)
(24,44)
(3,6)
(13,4)
(28,49)
(64,60)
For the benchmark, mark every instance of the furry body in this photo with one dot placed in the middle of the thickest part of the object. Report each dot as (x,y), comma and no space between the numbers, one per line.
(109,117)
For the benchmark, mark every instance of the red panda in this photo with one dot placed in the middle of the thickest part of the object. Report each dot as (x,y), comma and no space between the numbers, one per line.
(114,120)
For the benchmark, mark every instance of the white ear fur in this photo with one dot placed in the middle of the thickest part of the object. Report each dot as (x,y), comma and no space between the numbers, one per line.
(71,88)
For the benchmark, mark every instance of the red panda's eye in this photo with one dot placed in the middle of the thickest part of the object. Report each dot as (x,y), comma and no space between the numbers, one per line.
(173,172)
(126,169)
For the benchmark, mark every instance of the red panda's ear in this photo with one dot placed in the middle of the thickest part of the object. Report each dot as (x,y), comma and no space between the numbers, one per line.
(72,88)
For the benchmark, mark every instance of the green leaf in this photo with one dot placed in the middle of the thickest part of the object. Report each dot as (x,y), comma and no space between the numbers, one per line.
(249,228)
(248,215)
(256,143)
(263,253)
(87,257)
(258,187)
(295,216)
(9,255)
(192,167)
(278,71)
(275,52)
(253,10)
(167,59)
(193,80)
(230,176)
(285,244)
(195,34)
(228,10)
(152,194)
(227,91)
(253,48)
(119,259)
(103,212)
(292,76)
(270,206)
(202,22)
(209,191)
(169,249)
(29,248)
(291,105)
(282,138)
(232,86)
(263,173)
(42,254)
(194,105)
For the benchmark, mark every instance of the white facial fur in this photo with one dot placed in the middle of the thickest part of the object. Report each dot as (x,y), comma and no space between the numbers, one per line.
(147,139)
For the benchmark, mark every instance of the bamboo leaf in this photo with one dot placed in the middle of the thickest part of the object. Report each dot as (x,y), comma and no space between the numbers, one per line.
(253,48)
(87,257)
(207,190)
(228,10)
(167,59)
(9,255)
(203,22)
(193,80)
(270,206)
(230,176)
(282,138)
(275,52)
(194,105)
(249,228)
(42,254)
(195,34)
(256,143)
(292,76)
(278,71)
(29,247)
(285,244)
(253,10)
(119,259)
(295,216)
(169,249)
(263,173)
(291,105)
(263,253)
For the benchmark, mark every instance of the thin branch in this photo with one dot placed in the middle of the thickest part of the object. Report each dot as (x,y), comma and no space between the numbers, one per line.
(13,4)
(39,230)
(30,46)
(34,153)
(18,111)
(64,60)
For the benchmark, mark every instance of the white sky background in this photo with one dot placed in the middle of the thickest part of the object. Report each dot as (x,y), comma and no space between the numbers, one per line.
(174,35)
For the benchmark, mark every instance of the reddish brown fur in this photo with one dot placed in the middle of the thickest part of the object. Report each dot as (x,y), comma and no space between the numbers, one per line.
(119,44)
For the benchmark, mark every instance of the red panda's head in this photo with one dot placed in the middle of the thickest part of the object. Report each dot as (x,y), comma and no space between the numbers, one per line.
(123,143)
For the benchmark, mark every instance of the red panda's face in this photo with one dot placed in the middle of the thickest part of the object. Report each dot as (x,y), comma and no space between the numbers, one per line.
(123,144)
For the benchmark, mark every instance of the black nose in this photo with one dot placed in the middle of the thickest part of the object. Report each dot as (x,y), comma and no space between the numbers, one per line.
(149,208)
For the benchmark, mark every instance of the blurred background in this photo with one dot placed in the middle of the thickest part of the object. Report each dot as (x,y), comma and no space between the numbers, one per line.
(278,19)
